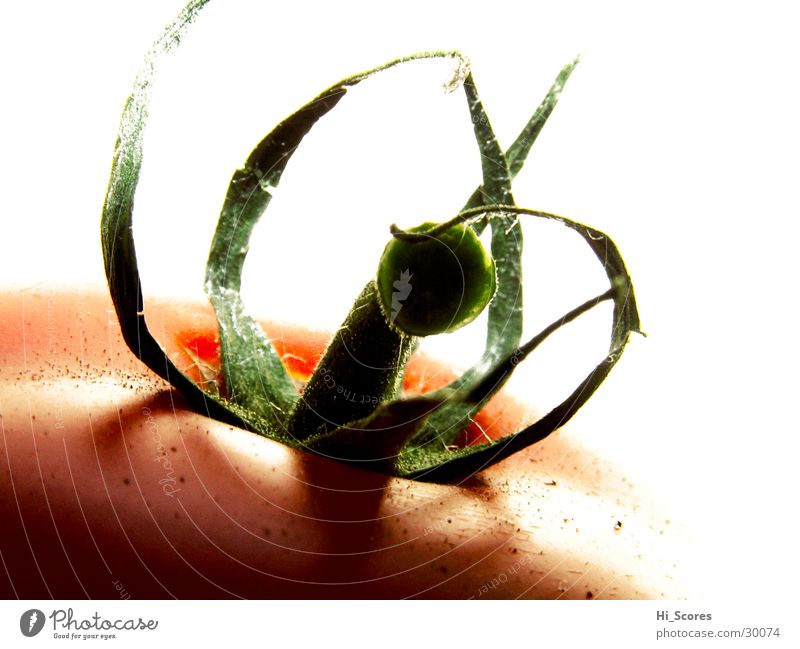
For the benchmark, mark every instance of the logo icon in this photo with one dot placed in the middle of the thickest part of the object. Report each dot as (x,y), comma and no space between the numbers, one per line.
(31,622)
(402,289)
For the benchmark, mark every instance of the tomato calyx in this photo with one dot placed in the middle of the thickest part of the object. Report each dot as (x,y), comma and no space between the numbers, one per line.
(352,407)
(302,351)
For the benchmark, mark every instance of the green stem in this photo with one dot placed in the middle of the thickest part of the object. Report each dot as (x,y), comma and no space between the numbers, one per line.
(362,367)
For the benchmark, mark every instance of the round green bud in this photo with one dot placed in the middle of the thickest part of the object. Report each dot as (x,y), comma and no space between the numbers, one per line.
(436,285)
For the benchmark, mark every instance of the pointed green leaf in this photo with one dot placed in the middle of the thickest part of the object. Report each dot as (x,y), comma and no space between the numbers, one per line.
(517,153)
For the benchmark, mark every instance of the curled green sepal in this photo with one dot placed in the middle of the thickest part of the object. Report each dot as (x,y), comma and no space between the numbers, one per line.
(253,375)
(116,225)
(380,441)
(504,323)
(375,442)
(398,452)
(517,153)
(428,461)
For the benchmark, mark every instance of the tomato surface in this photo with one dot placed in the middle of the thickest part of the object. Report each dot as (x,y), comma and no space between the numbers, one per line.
(108,479)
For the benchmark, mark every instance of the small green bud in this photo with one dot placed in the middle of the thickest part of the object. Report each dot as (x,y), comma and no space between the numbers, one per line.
(438,284)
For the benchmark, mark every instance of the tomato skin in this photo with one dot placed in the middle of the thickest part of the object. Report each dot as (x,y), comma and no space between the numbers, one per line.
(105,476)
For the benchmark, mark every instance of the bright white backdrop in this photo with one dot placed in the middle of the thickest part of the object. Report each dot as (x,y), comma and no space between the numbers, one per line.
(677,135)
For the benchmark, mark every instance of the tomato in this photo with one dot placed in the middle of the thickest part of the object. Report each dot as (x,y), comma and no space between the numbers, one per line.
(109,484)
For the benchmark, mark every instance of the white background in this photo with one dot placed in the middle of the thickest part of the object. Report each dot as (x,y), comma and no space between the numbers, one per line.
(677,135)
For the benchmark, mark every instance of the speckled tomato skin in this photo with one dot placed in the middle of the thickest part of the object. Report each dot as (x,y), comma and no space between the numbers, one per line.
(107,479)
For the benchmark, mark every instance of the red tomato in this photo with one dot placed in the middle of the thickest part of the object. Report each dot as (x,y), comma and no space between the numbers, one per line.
(110,486)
